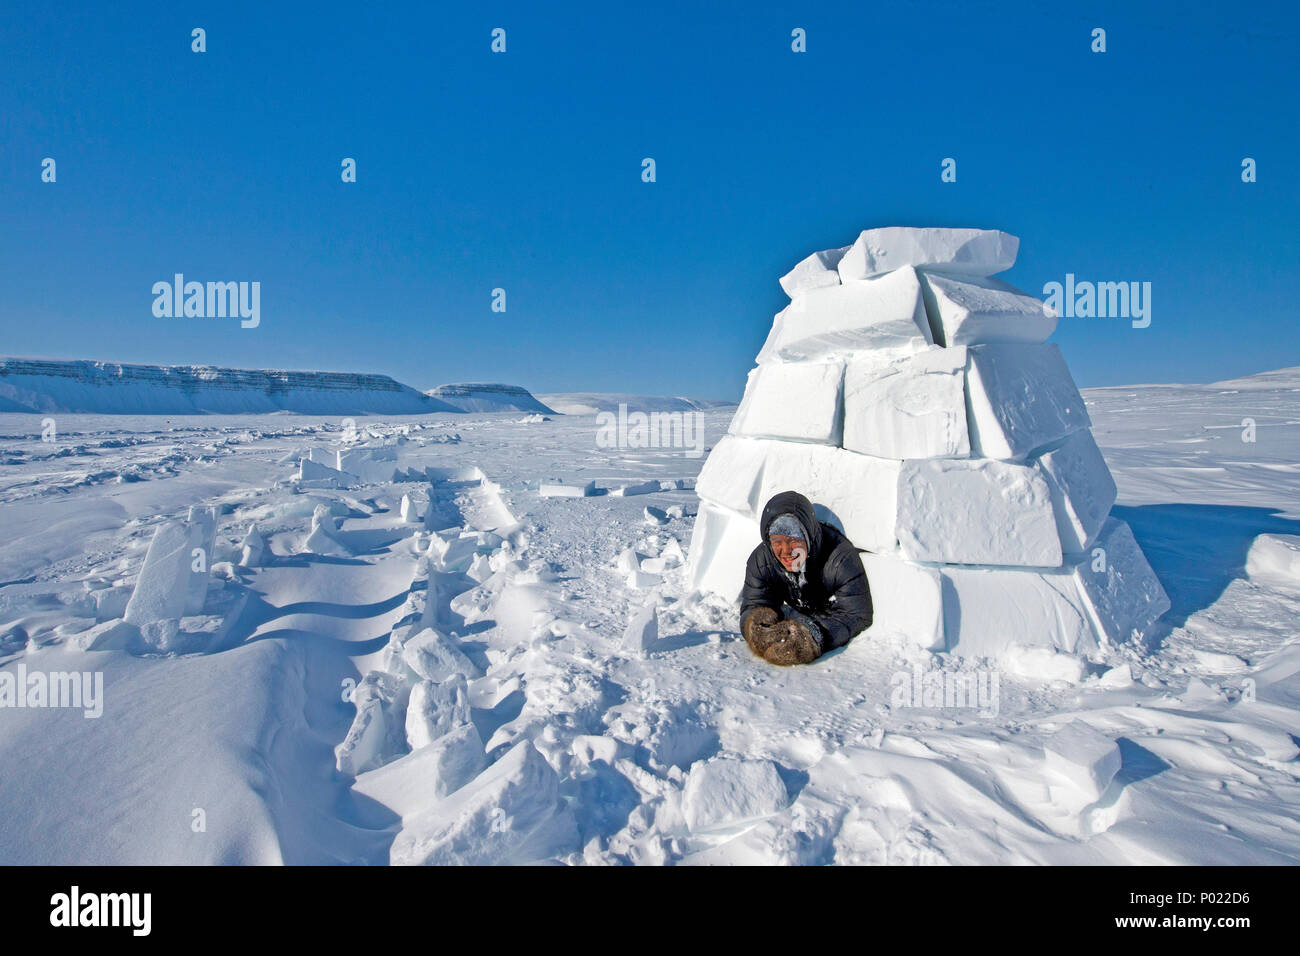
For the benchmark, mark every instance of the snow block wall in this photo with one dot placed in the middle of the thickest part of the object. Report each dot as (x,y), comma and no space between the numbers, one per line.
(915,401)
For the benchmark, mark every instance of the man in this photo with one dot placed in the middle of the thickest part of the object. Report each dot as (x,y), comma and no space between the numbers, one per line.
(805,591)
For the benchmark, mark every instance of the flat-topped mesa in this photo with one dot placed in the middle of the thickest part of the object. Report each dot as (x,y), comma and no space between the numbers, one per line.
(489,397)
(111,388)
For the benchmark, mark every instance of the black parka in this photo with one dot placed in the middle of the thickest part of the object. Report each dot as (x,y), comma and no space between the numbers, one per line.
(835,593)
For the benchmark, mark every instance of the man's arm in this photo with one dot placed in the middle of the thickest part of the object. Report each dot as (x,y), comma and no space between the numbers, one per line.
(760,590)
(851,610)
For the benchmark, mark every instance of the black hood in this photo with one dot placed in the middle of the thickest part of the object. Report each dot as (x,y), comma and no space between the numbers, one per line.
(793,503)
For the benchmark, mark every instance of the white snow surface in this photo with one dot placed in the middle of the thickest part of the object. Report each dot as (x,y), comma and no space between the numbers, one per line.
(596,749)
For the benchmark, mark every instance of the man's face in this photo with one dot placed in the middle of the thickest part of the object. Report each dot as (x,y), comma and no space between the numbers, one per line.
(791,552)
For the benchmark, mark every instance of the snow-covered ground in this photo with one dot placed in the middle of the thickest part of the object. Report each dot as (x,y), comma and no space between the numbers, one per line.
(663,742)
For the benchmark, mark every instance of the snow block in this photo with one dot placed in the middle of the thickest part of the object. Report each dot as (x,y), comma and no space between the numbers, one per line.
(253,549)
(375,736)
(443,767)
(556,489)
(367,463)
(988,609)
(110,603)
(203,534)
(654,516)
(322,475)
(435,657)
(323,539)
(721,543)
(815,272)
(412,509)
(643,630)
(886,314)
(1020,398)
(1123,595)
(954,511)
(906,598)
(1082,489)
(971,311)
(1273,558)
(436,709)
(728,792)
(792,400)
(856,493)
(912,408)
(1084,756)
(641,580)
(731,474)
(486,821)
(455,554)
(977,252)
(635,488)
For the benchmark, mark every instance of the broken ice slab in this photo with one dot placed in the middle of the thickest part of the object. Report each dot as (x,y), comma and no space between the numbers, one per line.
(203,532)
(558,489)
(973,311)
(377,734)
(488,819)
(436,770)
(912,408)
(174,577)
(436,657)
(963,511)
(435,709)
(978,252)
(885,314)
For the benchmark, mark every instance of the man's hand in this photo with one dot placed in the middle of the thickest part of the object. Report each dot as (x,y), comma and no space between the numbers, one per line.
(793,644)
(758,629)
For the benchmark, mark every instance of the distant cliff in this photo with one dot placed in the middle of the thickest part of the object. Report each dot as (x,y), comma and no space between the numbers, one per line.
(44,385)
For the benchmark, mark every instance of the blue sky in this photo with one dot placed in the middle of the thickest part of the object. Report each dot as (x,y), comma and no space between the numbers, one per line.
(523,171)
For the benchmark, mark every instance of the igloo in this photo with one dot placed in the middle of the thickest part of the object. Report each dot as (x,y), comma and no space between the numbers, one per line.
(916,402)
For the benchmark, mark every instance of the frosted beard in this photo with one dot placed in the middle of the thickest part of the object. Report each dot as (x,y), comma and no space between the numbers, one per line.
(798,557)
